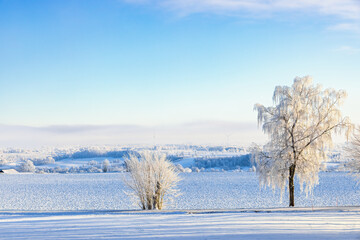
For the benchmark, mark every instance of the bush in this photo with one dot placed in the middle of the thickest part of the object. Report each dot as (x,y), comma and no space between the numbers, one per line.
(152,178)
(106,166)
(27,166)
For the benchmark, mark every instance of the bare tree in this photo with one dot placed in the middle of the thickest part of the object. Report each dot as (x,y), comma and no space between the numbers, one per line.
(353,152)
(153,179)
(300,128)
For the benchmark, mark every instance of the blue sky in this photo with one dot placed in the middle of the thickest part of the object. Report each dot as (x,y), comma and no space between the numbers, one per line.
(155,63)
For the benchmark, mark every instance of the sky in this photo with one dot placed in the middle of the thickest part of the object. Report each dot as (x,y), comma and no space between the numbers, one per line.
(151,68)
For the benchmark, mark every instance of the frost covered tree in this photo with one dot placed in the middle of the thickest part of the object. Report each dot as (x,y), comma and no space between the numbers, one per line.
(27,166)
(353,152)
(106,166)
(300,126)
(153,179)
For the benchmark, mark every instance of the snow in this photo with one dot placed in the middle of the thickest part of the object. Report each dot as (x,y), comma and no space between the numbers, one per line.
(94,206)
(80,159)
(204,190)
(9,171)
(279,224)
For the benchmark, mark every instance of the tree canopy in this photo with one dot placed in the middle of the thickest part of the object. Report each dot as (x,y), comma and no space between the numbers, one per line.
(300,127)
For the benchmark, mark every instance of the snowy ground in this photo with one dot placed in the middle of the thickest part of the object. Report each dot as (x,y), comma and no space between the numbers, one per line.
(343,223)
(94,206)
(204,190)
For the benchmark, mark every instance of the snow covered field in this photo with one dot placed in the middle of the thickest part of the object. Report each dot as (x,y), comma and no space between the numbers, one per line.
(94,206)
(343,223)
(204,190)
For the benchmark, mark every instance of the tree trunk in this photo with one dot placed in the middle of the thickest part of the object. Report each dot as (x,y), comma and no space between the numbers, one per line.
(291,185)
(157,199)
(149,202)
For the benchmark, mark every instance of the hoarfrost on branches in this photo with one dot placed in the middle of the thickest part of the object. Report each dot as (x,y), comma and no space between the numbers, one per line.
(300,128)
(353,152)
(27,166)
(106,165)
(153,180)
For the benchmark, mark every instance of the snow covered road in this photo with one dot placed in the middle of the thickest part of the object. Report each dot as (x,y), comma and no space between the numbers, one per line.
(279,224)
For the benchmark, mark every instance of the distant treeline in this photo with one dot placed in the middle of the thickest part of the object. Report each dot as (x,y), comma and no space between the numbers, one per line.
(226,163)
(86,153)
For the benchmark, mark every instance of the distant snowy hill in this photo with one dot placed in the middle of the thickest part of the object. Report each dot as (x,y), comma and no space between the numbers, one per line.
(78,159)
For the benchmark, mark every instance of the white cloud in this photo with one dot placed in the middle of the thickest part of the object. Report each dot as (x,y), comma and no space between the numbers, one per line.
(353,27)
(348,49)
(348,9)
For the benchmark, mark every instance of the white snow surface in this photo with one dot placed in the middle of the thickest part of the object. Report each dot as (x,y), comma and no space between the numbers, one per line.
(94,206)
(343,223)
(204,190)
